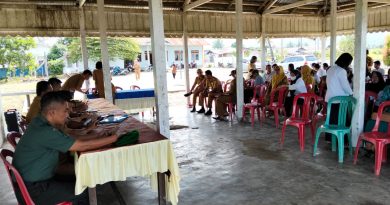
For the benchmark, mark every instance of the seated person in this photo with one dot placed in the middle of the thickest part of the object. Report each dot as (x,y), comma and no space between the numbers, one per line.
(377,83)
(307,76)
(257,77)
(229,96)
(196,88)
(388,77)
(99,81)
(75,82)
(212,88)
(268,74)
(55,83)
(42,88)
(37,153)
(297,86)
(278,79)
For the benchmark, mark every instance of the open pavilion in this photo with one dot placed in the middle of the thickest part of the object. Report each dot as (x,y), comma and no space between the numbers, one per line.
(201,19)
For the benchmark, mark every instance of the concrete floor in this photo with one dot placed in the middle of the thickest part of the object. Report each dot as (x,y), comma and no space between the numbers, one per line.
(233,163)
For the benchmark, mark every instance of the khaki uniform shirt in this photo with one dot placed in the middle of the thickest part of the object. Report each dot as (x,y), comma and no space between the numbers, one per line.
(97,76)
(75,82)
(34,110)
(199,79)
(213,84)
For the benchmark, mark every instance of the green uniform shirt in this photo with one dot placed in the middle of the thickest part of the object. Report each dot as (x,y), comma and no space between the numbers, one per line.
(36,155)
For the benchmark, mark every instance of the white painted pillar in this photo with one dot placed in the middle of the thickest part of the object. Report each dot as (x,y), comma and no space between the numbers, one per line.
(83,40)
(159,65)
(263,48)
(323,49)
(359,67)
(46,65)
(186,60)
(333,29)
(281,48)
(83,43)
(2,122)
(104,50)
(239,79)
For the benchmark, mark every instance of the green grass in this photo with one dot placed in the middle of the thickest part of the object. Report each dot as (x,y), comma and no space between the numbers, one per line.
(16,85)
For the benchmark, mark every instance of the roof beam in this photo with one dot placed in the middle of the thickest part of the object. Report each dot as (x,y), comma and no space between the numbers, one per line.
(195,4)
(81,3)
(381,1)
(290,6)
(271,3)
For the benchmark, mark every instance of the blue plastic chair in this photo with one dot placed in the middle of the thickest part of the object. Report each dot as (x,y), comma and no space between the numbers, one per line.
(339,130)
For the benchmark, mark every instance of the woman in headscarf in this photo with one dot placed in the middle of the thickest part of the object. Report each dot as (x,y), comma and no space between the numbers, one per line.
(278,79)
(297,86)
(307,76)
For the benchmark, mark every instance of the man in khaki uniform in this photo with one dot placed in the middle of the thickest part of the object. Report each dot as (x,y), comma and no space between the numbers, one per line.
(137,70)
(99,81)
(196,88)
(212,88)
(42,88)
(75,82)
(227,97)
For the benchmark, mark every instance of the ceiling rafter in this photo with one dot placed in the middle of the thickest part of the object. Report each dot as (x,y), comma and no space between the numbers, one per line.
(290,6)
(195,4)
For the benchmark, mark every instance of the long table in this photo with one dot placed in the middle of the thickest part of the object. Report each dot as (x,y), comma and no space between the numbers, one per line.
(133,99)
(152,157)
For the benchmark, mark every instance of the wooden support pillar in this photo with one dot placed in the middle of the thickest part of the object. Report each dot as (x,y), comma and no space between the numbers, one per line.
(159,65)
(333,29)
(186,58)
(239,79)
(104,50)
(359,68)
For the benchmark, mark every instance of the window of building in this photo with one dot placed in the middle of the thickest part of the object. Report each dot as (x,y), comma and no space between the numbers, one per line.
(178,55)
(195,55)
(146,55)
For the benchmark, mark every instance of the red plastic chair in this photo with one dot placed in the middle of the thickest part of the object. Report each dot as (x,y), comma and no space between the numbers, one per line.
(302,117)
(12,137)
(277,106)
(19,181)
(379,139)
(256,104)
(118,88)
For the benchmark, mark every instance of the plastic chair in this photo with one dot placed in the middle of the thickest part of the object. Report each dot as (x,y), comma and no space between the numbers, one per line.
(302,118)
(347,104)
(12,137)
(379,139)
(12,172)
(118,88)
(256,104)
(277,106)
(230,105)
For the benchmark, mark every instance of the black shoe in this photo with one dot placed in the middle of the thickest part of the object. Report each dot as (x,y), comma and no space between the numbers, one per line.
(201,110)
(193,109)
(219,118)
(208,112)
(187,94)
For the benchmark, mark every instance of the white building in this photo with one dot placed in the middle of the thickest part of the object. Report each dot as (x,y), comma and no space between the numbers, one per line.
(174,51)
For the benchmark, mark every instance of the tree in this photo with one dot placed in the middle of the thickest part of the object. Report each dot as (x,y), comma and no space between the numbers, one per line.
(218,44)
(386,51)
(14,52)
(123,48)
(55,59)
(346,45)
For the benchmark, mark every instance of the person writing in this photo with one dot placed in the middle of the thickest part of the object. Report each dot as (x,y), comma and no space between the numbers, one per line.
(75,82)
(37,153)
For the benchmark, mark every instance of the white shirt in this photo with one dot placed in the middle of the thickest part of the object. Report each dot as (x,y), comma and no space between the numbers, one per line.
(298,86)
(319,74)
(381,70)
(337,83)
(268,77)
